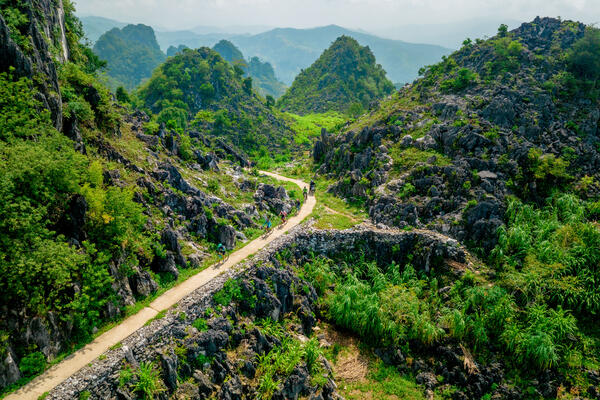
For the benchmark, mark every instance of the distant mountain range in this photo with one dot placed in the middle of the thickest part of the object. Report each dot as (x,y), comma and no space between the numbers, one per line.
(290,50)
(450,34)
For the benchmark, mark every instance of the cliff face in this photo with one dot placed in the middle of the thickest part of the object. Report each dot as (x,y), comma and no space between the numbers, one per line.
(34,46)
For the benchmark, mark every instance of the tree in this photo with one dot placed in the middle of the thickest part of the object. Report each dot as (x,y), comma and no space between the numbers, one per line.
(502,30)
(247,85)
(356,110)
(122,95)
(584,57)
(270,101)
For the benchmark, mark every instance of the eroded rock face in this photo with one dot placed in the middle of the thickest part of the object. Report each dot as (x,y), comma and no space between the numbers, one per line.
(9,370)
(44,21)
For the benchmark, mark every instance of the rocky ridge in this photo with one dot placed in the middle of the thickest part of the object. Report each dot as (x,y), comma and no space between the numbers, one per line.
(490,121)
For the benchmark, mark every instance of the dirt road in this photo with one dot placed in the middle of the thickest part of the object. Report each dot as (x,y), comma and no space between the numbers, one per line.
(67,367)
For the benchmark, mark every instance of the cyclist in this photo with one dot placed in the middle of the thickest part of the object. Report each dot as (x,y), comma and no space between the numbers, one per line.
(221,250)
(283,216)
(267,224)
(312,187)
(305,193)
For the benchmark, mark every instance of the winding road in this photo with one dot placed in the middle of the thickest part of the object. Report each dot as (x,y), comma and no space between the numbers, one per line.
(82,357)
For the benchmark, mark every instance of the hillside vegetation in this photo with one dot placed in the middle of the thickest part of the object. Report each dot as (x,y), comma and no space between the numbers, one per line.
(131,54)
(345,78)
(198,88)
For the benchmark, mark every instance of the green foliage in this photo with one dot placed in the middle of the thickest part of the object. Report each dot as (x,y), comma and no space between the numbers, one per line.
(270,101)
(85,395)
(32,364)
(264,80)
(42,178)
(551,254)
(77,87)
(132,54)
(408,189)
(200,83)
(149,383)
(173,117)
(546,170)
(309,126)
(356,110)
(185,147)
(22,115)
(409,157)
(399,306)
(15,16)
(583,60)
(329,84)
(508,53)
(247,85)
(464,78)
(122,95)
(200,324)
(502,30)
(279,363)
(232,291)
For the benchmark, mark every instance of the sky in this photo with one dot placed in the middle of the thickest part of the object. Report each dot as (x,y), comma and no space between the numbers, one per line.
(369,15)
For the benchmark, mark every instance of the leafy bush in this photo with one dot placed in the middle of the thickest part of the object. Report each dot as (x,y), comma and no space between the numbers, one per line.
(464,78)
(32,364)
(232,291)
(583,60)
(200,324)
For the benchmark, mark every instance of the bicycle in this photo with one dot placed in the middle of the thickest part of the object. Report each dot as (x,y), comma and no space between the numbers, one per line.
(222,254)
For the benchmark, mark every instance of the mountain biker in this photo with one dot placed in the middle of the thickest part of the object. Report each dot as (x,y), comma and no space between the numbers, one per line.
(283,216)
(312,186)
(305,193)
(267,223)
(221,250)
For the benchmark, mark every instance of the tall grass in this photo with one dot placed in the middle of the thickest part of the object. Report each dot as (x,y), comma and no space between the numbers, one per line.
(401,307)
(552,254)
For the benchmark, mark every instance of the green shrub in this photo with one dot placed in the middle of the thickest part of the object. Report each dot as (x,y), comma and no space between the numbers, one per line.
(32,364)
(185,148)
(407,190)
(232,291)
(464,78)
(200,324)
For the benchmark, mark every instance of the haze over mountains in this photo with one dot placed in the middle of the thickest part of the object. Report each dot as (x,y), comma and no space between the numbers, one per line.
(289,50)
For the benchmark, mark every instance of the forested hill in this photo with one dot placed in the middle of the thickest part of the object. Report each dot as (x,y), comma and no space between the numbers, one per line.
(229,52)
(131,54)
(262,73)
(198,87)
(346,76)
